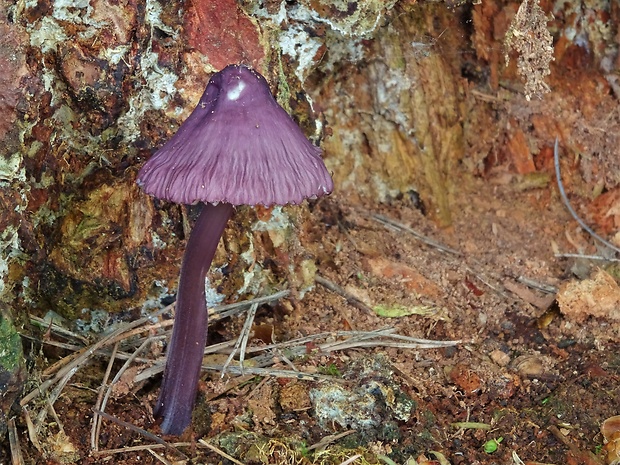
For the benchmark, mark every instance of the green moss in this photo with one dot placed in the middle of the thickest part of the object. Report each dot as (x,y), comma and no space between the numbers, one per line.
(254,448)
(389,432)
(428,419)
(614,271)
(330,370)
(11,354)
(284,90)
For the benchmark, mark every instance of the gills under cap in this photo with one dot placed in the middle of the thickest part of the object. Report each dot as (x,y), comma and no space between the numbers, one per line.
(238,146)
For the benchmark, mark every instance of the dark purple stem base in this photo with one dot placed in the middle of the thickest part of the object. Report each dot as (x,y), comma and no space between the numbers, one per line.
(189,334)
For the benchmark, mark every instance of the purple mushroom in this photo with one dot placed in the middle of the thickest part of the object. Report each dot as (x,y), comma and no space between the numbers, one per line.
(238,147)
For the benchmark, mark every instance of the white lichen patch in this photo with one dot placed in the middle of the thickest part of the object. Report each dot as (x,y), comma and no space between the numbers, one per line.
(253,278)
(252,281)
(278,226)
(293,38)
(27,292)
(299,45)
(73,11)
(95,321)
(159,292)
(348,24)
(114,55)
(212,297)
(349,409)
(48,35)
(359,22)
(342,50)
(278,16)
(11,169)
(158,242)
(158,84)
(153,18)
(155,85)
(393,87)
(9,249)
(12,174)
(156,91)
(371,399)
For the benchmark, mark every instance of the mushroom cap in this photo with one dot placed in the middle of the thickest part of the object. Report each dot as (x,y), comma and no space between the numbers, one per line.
(238,146)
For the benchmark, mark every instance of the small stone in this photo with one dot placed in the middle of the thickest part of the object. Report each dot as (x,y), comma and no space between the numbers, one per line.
(529,365)
(500,358)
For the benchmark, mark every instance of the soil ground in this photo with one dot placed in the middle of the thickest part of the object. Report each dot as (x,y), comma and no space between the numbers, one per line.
(521,372)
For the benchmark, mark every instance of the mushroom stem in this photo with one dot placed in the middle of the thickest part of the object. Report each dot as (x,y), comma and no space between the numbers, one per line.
(189,334)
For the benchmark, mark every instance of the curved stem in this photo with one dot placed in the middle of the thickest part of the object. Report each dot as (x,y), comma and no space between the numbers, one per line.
(189,333)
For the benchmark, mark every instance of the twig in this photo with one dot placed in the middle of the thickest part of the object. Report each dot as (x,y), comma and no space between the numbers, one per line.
(269,372)
(16,451)
(142,329)
(350,460)
(401,227)
(329,439)
(300,341)
(123,450)
(135,327)
(245,334)
(350,298)
(586,257)
(395,225)
(140,431)
(516,459)
(546,288)
(53,397)
(120,355)
(354,339)
(219,452)
(225,311)
(242,340)
(498,288)
(63,361)
(32,434)
(118,375)
(158,457)
(158,366)
(57,329)
(83,356)
(486,97)
(257,389)
(96,425)
(569,207)
(398,345)
(65,371)
(56,418)
(285,359)
(265,356)
(581,456)
(297,347)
